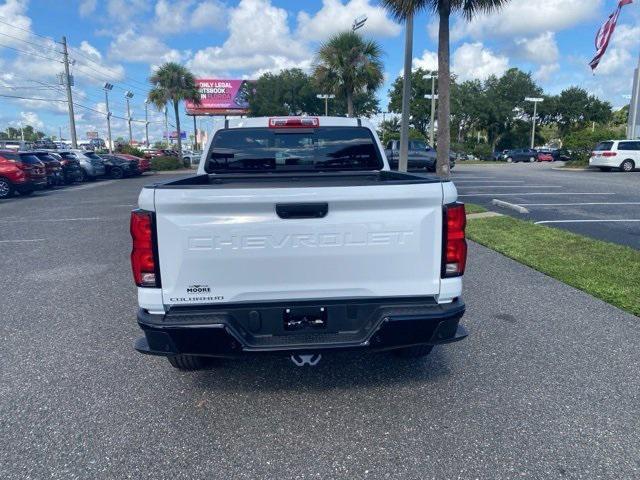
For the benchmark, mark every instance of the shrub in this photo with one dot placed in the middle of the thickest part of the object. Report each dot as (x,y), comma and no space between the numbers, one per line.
(482,151)
(166,163)
(582,142)
(129,150)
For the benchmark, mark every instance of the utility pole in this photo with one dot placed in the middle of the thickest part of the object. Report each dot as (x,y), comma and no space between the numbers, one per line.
(535,101)
(325,97)
(67,82)
(60,132)
(433,97)
(107,88)
(146,121)
(634,110)
(195,135)
(403,161)
(128,95)
(166,125)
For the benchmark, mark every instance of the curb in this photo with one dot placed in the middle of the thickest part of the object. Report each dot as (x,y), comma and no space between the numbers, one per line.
(561,169)
(472,216)
(173,172)
(510,206)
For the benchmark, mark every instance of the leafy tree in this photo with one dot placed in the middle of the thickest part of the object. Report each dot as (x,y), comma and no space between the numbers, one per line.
(581,142)
(505,102)
(347,65)
(621,117)
(420,107)
(404,8)
(575,108)
(290,92)
(173,83)
(468,108)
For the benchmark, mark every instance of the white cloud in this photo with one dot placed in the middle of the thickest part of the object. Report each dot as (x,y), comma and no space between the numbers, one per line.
(525,17)
(170,17)
(336,16)
(14,13)
(125,10)
(257,43)
(90,50)
(31,118)
(87,7)
(542,49)
(131,46)
(428,61)
(209,14)
(473,61)
(545,72)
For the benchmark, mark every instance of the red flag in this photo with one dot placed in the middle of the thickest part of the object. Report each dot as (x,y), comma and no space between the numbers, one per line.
(604,34)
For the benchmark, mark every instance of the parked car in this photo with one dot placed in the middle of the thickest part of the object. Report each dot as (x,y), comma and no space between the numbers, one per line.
(21,172)
(16,145)
(71,171)
(44,144)
(162,152)
(421,156)
(620,154)
(91,164)
(521,155)
(53,168)
(144,165)
(370,259)
(118,167)
(545,157)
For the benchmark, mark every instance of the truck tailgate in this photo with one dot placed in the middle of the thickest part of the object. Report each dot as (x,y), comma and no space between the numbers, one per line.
(230,245)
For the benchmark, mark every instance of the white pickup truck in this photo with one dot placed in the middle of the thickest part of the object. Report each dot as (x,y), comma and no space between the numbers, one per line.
(296,238)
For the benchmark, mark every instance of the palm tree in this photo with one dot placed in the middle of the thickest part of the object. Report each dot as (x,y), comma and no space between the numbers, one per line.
(402,9)
(347,64)
(173,83)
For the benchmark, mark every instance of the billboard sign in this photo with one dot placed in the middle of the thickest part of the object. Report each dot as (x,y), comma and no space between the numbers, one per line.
(174,135)
(220,97)
(92,135)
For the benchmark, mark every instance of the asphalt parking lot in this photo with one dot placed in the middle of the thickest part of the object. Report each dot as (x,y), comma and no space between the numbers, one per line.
(546,385)
(603,205)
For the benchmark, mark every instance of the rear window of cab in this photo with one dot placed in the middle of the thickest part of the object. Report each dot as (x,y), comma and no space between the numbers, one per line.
(604,146)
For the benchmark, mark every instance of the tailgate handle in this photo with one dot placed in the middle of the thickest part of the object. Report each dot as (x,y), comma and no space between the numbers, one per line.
(302,210)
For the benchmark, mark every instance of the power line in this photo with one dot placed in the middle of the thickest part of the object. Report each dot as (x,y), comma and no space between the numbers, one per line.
(39,45)
(30,53)
(87,57)
(33,98)
(24,29)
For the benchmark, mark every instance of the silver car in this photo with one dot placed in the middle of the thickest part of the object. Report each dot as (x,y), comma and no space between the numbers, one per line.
(91,164)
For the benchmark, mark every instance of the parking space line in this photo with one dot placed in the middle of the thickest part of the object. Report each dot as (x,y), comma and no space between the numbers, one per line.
(517,194)
(570,204)
(88,186)
(24,240)
(589,221)
(79,219)
(515,186)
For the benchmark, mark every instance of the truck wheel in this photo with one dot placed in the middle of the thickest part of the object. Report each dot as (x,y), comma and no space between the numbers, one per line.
(117,173)
(6,189)
(418,351)
(509,160)
(187,362)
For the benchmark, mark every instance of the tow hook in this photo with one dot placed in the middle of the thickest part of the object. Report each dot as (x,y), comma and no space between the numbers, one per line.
(301,360)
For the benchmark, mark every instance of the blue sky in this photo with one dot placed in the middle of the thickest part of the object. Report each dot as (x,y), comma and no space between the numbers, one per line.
(122,40)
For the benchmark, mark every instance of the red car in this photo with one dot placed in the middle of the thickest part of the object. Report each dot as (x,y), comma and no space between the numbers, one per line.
(545,157)
(21,172)
(144,165)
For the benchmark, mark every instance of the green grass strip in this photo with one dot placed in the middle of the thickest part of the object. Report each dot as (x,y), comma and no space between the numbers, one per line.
(473,208)
(605,270)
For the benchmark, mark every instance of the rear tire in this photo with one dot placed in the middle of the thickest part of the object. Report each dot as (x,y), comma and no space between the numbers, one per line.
(627,166)
(418,351)
(117,173)
(6,189)
(187,362)
(86,177)
(532,159)
(605,169)
(509,160)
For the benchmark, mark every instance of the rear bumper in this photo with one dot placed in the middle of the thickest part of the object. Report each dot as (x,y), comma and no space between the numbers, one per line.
(232,330)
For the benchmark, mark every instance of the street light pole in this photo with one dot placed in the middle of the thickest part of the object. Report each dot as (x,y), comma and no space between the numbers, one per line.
(433,98)
(67,82)
(146,122)
(166,125)
(128,94)
(403,161)
(107,88)
(326,98)
(358,22)
(535,101)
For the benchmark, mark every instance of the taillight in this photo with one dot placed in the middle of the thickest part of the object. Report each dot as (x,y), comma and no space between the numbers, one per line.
(609,154)
(143,254)
(454,251)
(294,122)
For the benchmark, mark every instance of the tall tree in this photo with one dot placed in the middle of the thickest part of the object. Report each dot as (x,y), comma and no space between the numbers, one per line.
(401,9)
(173,83)
(575,108)
(289,92)
(347,65)
(420,107)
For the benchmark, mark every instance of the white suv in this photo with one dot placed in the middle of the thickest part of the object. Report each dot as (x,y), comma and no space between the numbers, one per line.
(622,154)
